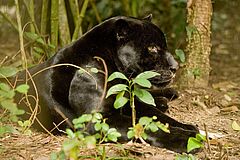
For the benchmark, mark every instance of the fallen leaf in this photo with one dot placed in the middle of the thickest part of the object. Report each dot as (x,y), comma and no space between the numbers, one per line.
(235,126)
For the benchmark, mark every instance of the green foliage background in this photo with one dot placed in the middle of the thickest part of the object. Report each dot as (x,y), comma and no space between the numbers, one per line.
(52,24)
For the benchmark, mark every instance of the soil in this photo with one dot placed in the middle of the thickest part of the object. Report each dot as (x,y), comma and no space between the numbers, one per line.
(212,109)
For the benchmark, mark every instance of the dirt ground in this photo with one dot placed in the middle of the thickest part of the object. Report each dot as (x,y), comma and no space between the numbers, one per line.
(217,106)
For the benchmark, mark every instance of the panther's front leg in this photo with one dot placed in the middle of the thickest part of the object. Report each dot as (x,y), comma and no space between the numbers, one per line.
(163,96)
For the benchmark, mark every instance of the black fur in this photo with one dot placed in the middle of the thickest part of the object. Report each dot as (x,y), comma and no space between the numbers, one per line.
(127,45)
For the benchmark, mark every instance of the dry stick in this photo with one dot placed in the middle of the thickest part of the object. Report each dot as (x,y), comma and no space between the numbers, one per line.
(58,111)
(34,112)
(207,138)
(105,80)
(64,64)
(34,116)
(64,119)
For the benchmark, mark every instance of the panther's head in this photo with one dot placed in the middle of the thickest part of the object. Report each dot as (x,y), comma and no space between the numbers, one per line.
(141,46)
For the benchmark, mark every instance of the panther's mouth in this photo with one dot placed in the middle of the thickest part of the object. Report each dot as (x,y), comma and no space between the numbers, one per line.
(164,79)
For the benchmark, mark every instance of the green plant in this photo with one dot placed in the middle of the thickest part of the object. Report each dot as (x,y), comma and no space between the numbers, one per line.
(146,123)
(180,55)
(81,138)
(7,104)
(193,143)
(134,88)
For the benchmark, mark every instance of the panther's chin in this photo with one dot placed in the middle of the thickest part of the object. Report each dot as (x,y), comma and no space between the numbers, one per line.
(160,82)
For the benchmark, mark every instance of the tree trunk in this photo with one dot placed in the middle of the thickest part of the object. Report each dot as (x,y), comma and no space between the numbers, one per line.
(197,67)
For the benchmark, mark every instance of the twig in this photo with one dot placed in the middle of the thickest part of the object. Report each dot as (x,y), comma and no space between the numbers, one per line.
(207,138)
(63,116)
(105,80)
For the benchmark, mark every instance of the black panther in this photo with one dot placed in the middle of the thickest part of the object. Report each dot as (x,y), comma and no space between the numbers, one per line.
(128,45)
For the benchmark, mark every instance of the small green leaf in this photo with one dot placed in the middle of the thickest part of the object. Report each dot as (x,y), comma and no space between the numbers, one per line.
(34,37)
(38,50)
(144,96)
(19,112)
(153,127)
(23,88)
(10,105)
(130,134)
(97,126)
(83,118)
(94,70)
(235,126)
(201,137)
(145,121)
(164,128)
(7,71)
(105,127)
(79,125)
(144,135)
(120,102)
(97,117)
(10,94)
(115,75)
(147,75)
(193,143)
(180,54)
(98,136)
(4,87)
(27,123)
(142,82)
(116,89)
(70,133)
(20,123)
(113,135)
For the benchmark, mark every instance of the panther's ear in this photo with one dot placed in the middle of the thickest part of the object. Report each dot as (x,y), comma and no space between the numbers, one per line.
(122,29)
(148,18)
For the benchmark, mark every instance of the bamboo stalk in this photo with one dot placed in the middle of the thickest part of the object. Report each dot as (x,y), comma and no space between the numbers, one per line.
(134,8)
(54,24)
(20,33)
(74,10)
(43,29)
(64,33)
(30,9)
(82,14)
(7,18)
(92,2)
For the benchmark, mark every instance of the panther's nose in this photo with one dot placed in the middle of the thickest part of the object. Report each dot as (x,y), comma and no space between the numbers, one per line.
(173,64)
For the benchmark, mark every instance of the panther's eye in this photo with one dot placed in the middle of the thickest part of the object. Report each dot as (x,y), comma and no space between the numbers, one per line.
(153,49)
